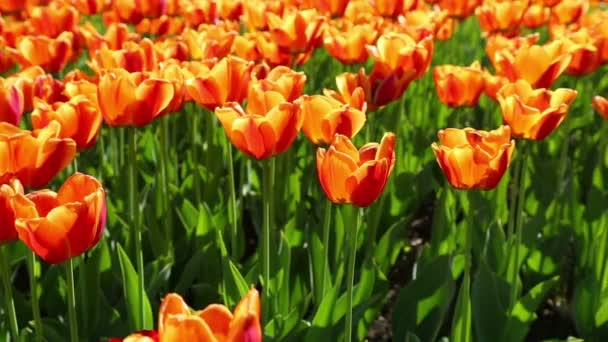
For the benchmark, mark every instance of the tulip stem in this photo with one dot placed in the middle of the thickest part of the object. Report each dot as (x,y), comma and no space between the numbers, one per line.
(232,212)
(31,265)
(518,220)
(268,175)
(352,257)
(134,215)
(164,167)
(326,228)
(194,149)
(69,271)
(8,294)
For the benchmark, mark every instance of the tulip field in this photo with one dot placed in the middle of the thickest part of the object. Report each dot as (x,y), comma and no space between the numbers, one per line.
(303,170)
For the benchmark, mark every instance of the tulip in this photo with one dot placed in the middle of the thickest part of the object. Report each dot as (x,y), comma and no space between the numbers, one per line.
(332,7)
(80,119)
(161,26)
(459,86)
(566,12)
(586,57)
(267,127)
(140,336)
(210,41)
(324,117)
(600,104)
(254,13)
(11,102)
(353,89)
(284,80)
(225,82)
(59,226)
(347,44)
(53,19)
(132,57)
(472,159)
(7,211)
(214,323)
(533,113)
(348,175)
(498,43)
(116,35)
(459,8)
(133,99)
(90,7)
(33,157)
(197,12)
(52,54)
(493,83)
(396,52)
(538,65)
(297,31)
(536,16)
(230,9)
(501,16)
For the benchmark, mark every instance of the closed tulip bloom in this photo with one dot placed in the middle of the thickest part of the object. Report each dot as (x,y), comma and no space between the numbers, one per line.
(536,16)
(227,81)
(347,44)
(501,16)
(459,86)
(586,57)
(7,211)
(210,41)
(268,126)
(600,104)
(353,89)
(459,8)
(133,99)
(59,226)
(53,19)
(115,36)
(33,158)
(324,117)
(132,57)
(533,113)
(400,53)
(498,43)
(348,175)
(197,12)
(298,30)
(539,65)
(80,119)
(472,159)
(566,12)
(52,54)
(284,80)
(90,7)
(11,102)
(213,324)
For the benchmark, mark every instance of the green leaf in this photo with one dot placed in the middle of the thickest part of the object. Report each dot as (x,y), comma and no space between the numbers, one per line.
(490,299)
(130,285)
(461,326)
(322,328)
(236,286)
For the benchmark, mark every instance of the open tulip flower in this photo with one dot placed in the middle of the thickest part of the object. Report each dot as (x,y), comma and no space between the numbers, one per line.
(132,57)
(268,126)
(225,82)
(80,119)
(459,86)
(539,65)
(504,16)
(7,212)
(347,44)
(11,101)
(565,12)
(34,158)
(324,117)
(133,99)
(586,57)
(116,35)
(298,31)
(210,41)
(472,159)
(600,104)
(348,175)
(353,89)
(283,80)
(59,226)
(536,15)
(53,19)
(497,43)
(52,54)
(533,113)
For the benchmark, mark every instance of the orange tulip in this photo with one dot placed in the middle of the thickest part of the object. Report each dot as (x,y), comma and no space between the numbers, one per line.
(140,336)
(79,118)
(501,16)
(225,82)
(254,13)
(348,175)
(7,212)
(360,11)
(533,113)
(26,81)
(297,31)
(59,226)
(566,12)
(600,104)
(399,52)
(586,57)
(536,16)
(11,102)
(498,43)
(197,12)
(212,324)
(353,89)
(163,25)
(539,65)
(132,57)
(83,88)
(230,9)
(257,46)
(172,48)
(116,35)
(283,80)
(492,84)
(33,158)
(133,99)
(324,117)
(267,127)
(52,54)
(332,7)
(459,8)
(347,44)
(210,41)
(173,73)
(459,86)
(90,7)
(53,19)
(472,159)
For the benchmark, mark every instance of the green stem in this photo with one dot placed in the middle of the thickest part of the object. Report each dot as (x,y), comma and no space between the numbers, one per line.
(269,166)
(8,294)
(519,219)
(69,271)
(164,167)
(196,182)
(468,250)
(31,264)
(352,258)
(326,229)
(233,215)
(135,222)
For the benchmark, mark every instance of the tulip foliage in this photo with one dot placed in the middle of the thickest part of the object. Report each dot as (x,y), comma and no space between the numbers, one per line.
(303,170)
